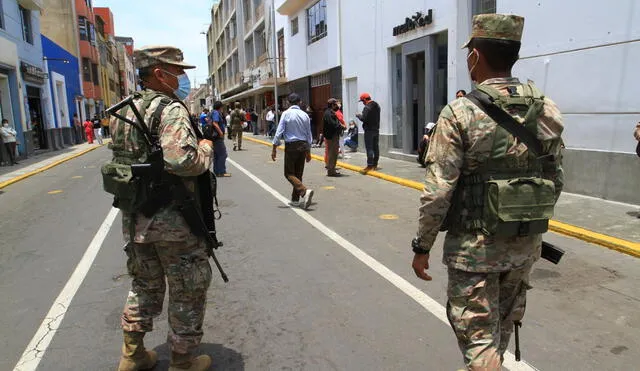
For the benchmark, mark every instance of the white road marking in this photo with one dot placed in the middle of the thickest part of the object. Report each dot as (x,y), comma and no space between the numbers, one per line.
(416,294)
(41,340)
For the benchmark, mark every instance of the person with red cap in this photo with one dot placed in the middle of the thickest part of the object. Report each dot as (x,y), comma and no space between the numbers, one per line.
(370,118)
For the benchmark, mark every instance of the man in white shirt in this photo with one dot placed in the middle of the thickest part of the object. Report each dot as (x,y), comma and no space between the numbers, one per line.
(271,125)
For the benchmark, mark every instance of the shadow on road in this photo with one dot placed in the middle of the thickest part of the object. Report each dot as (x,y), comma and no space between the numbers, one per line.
(223,358)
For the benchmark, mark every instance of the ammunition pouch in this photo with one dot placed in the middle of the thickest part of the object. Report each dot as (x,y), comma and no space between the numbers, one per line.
(518,206)
(135,188)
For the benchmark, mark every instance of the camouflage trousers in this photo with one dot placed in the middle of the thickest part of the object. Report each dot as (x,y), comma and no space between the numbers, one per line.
(482,308)
(236,134)
(188,274)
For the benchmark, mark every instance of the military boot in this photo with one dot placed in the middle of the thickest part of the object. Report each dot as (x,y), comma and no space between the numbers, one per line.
(134,356)
(187,362)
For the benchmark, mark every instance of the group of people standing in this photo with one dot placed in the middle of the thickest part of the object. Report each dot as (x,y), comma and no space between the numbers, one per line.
(295,129)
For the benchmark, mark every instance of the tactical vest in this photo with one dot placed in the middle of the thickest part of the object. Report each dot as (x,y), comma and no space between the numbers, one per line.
(135,194)
(506,196)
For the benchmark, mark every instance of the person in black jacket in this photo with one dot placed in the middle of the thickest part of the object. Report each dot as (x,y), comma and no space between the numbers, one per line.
(370,118)
(331,131)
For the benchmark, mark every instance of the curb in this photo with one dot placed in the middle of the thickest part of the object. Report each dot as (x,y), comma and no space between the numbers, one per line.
(610,242)
(11,181)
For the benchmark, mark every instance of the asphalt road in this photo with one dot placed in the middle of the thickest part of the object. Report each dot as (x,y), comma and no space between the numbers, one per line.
(327,289)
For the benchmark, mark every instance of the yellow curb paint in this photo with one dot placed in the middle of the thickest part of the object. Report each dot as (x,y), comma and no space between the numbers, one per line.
(610,242)
(76,177)
(44,168)
(389,217)
(328,188)
(55,192)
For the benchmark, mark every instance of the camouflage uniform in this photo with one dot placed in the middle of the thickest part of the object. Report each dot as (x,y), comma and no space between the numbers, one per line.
(488,276)
(163,245)
(237,118)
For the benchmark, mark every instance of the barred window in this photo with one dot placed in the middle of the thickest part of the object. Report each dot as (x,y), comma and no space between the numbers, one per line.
(483,6)
(294,26)
(82,27)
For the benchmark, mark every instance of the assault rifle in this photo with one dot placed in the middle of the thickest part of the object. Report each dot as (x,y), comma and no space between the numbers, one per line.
(163,182)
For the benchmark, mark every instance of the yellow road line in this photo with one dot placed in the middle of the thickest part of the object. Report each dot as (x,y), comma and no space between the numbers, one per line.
(7,183)
(610,242)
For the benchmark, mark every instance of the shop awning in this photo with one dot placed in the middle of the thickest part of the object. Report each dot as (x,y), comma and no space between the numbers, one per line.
(248,93)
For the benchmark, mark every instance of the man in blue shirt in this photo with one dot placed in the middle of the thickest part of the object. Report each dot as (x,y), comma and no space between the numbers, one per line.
(203,118)
(219,126)
(295,129)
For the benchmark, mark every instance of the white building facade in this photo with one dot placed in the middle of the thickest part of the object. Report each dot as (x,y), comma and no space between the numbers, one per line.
(312,37)
(407,54)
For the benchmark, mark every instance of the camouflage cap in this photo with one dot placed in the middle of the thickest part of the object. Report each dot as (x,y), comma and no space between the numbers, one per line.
(496,26)
(148,56)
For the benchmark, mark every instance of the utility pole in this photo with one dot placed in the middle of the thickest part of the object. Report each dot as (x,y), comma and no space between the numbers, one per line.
(275,58)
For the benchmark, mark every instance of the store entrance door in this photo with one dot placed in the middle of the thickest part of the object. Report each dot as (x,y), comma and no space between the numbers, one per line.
(37,121)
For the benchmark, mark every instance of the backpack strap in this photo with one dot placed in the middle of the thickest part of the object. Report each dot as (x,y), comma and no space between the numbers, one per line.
(487,104)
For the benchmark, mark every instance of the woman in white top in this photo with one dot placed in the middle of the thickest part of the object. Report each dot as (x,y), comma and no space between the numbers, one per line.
(9,138)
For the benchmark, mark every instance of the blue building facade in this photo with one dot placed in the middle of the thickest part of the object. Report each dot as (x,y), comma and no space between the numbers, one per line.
(64,86)
(22,78)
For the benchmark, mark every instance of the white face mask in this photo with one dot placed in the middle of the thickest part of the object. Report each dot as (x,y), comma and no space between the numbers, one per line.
(6,125)
(474,65)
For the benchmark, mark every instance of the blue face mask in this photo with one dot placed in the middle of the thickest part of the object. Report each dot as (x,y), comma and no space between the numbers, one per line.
(184,85)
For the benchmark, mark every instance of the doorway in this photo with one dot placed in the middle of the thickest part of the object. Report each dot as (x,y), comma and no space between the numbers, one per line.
(417,98)
(37,121)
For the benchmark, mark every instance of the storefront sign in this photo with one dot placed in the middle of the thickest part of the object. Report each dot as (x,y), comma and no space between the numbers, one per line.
(418,20)
(32,73)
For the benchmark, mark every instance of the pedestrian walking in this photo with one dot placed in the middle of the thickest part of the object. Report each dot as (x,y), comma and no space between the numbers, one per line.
(162,247)
(500,140)
(254,122)
(88,130)
(238,118)
(270,118)
(219,126)
(295,129)
(331,130)
(8,135)
(370,118)
(97,128)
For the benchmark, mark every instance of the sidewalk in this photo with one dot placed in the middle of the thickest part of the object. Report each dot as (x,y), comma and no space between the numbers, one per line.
(593,214)
(41,162)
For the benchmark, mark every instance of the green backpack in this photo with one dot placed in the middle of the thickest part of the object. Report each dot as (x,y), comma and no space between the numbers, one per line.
(134,178)
(501,199)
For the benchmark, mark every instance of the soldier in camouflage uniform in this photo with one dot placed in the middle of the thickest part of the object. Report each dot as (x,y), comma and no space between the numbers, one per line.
(163,245)
(488,274)
(237,117)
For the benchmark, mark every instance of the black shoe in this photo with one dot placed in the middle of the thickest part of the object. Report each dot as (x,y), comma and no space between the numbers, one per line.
(335,174)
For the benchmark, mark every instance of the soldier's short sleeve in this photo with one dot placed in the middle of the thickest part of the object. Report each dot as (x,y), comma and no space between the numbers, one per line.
(182,154)
(443,163)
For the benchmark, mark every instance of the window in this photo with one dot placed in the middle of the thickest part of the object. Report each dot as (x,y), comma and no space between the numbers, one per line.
(1,16)
(294,26)
(94,73)
(27,33)
(281,53)
(82,27)
(484,6)
(86,69)
(92,34)
(317,21)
